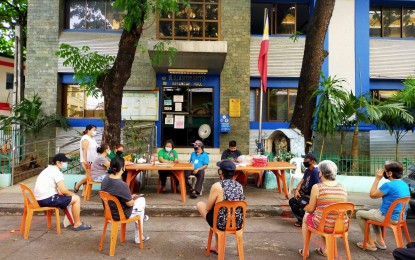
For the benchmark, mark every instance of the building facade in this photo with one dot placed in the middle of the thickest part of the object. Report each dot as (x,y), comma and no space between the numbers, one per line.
(214,77)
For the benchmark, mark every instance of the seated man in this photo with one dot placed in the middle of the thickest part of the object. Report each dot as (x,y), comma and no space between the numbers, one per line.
(200,160)
(231,153)
(303,190)
(50,190)
(226,189)
(405,253)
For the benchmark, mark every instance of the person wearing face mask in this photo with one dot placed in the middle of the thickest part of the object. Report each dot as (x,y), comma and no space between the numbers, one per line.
(303,190)
(394,189)
(117,151)
(231,153)
(200,160)
(87,152)
(101,164)
(167,155)
(50,190)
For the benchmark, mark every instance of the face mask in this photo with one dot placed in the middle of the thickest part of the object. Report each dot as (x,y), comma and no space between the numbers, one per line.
(306,164)
(196,148)
(94,133)
(168,149)
(64,166)
(108,152)
(384,175)
(118,153)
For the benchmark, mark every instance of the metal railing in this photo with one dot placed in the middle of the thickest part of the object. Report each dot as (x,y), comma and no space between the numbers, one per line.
(364,165)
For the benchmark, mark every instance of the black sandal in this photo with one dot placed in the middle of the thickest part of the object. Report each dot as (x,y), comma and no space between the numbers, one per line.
(75,190)
(298,224)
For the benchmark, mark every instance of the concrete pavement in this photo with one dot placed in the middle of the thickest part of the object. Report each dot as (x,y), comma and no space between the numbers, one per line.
(172,238)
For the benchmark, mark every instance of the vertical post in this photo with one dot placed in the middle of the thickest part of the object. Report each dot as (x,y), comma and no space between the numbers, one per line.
(259,142)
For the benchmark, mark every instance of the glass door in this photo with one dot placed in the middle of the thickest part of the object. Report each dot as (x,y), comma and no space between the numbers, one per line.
(184,110)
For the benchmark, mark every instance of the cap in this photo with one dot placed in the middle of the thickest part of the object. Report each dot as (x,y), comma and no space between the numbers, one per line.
(227,165)
(198,142)
(60,157)
(310,156)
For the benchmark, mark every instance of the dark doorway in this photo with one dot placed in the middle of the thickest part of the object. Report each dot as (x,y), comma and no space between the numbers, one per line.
(195,105)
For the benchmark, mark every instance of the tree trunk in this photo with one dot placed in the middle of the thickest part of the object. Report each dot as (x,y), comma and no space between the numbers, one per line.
(322,147)
(112,84)
(355,149)
(313,59)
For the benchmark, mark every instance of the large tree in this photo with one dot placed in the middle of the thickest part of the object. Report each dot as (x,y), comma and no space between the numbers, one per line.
(110,80)
(12,13)
(313,59)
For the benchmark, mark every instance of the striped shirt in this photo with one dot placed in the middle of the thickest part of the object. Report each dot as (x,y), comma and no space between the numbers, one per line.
(328,195)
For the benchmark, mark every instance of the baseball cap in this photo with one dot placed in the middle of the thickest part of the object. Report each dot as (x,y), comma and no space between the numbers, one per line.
(310,156)
(60,157)
(227,165)
(198,142)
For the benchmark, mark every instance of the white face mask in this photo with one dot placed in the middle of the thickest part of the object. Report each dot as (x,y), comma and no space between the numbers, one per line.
(168,149)
(64,166)
(109,151)
(94,133)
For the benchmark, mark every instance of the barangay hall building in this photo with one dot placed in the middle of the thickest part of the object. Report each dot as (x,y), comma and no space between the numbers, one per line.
(214,78)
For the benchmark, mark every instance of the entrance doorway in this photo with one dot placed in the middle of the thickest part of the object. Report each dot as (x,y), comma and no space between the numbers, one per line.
(195,105)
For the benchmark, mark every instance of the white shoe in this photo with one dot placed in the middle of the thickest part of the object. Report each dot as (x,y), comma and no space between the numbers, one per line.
(146,218)
(145,239)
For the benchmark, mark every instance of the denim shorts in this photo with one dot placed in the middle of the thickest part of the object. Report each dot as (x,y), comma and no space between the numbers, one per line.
(56,201)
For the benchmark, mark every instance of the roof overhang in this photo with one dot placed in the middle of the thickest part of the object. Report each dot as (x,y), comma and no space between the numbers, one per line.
(198,57)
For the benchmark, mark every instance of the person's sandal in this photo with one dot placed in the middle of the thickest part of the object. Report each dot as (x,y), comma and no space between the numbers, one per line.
(145,239)
(193,195)
(83,226)
(298,224)
(320,251)
(300,251)
(75,190)
(368,248)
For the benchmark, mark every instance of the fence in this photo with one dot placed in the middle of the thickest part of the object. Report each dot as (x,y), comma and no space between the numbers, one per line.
(364,165)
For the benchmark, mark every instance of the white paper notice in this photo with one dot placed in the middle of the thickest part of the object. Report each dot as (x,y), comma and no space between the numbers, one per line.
(177,98)
(169,120)
(177,106)
(178,121)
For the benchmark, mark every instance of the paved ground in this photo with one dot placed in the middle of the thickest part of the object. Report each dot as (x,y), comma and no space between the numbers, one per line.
(171,238)
(175,230)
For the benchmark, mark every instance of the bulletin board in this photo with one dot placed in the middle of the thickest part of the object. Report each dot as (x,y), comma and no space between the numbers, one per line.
(141,105)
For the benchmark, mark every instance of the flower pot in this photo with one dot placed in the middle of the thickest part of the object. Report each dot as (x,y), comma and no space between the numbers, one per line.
(5,180)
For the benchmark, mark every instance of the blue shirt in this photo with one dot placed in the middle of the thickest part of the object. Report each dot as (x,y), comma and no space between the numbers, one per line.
(393,190)
(310,178)
(199,160)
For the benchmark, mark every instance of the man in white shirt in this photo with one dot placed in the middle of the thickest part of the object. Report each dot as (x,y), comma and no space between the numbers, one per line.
(50,190)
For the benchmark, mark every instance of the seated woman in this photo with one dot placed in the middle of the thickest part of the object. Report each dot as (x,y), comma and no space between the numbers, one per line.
(224,190)
(101,164)
(389,191)
(132,205)
(117,151)
(322,195)
(167,155)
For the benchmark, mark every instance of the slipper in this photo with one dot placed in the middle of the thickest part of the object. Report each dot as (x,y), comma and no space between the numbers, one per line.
(380,246)
(146,218)
(74,188)
(83,226)
(300,251)
(298,224)
(193,195)
(213,250)
(369,248)
(320,251)
(145,239)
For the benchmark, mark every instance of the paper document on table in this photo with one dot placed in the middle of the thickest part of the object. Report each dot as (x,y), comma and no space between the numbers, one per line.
(164,164)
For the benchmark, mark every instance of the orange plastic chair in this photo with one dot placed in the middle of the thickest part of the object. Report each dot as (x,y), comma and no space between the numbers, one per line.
(230,227)
(30,206)
(88,185)
(172,184)
(396,228)
(106,197)
(342,211)
(86,165)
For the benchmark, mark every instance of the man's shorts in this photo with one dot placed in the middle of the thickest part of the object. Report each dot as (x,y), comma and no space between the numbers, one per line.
(57,201)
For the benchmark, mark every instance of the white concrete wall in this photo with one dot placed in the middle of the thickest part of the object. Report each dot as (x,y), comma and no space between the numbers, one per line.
(342,43)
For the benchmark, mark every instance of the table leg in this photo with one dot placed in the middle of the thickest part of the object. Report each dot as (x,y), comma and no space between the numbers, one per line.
(131,174)
(180,176)
(280,174)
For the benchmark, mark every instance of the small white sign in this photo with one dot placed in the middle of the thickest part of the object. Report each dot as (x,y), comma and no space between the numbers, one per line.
(178,121)
(177,106)
(177,98)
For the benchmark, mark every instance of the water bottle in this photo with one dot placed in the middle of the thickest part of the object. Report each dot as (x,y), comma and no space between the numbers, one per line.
(153,160)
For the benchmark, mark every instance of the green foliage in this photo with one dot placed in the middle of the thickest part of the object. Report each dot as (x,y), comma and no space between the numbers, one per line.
(88,66)
(294,37)
(161,51)
(12,12)
(136,137)
(331,97)
(30,116)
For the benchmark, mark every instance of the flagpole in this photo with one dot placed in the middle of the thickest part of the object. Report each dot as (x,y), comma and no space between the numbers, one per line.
(259,144)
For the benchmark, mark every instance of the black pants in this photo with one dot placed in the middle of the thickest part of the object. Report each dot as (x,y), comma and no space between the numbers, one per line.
(200,177)
(405,253)
(163,177)
(297,206)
